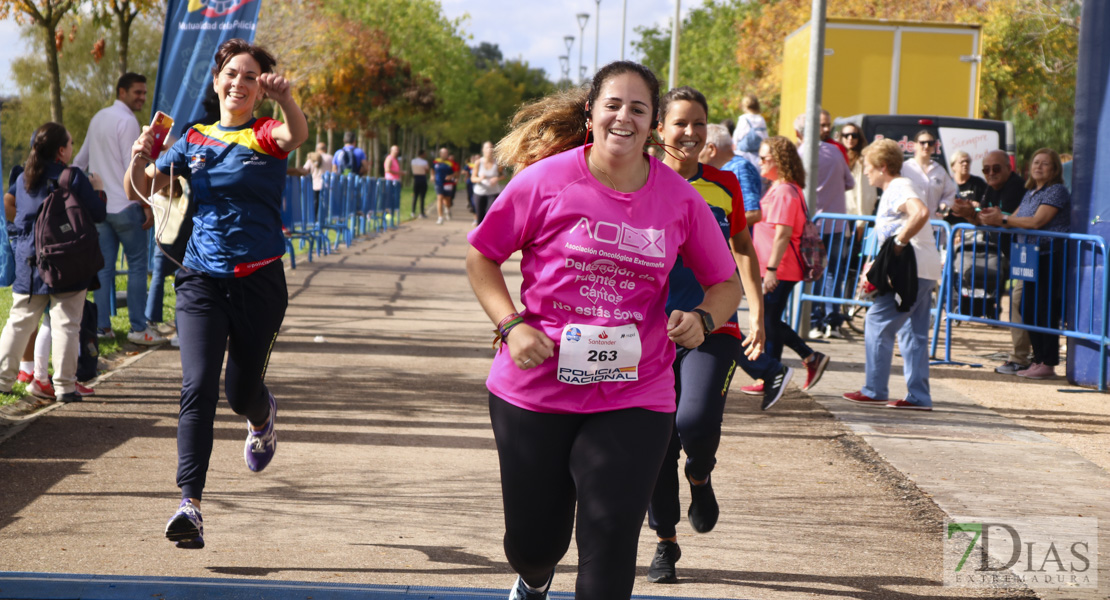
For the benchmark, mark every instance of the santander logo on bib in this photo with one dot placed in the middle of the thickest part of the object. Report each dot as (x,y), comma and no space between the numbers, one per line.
(645,242)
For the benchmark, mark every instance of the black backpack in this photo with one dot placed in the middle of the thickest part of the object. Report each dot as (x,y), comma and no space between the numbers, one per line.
(67,246)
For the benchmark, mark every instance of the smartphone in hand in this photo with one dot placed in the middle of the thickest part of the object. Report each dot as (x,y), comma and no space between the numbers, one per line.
(160,126)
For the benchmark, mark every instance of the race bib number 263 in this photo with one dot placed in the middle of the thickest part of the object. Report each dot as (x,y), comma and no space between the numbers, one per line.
(595,354)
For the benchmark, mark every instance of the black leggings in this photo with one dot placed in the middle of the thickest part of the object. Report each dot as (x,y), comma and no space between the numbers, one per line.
(243,315)
(606,462)
(482,203)
(419,190)
(702,378)
(779,333)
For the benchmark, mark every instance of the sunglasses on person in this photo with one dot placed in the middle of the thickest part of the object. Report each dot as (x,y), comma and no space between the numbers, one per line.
(927,142)
(849,134)
(766,159)
(992,169)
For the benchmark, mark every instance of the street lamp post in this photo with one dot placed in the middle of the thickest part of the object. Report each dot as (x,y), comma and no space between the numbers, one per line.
(569,40)
(597,32)
(624,25)
(673,75)
(564,66)
(582,19)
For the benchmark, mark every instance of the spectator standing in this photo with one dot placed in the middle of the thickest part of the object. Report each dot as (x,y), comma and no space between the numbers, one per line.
(825,125)
(833,179)
(718,154)
(1005,191)
(50,153)
(107,152)
(419,183)
(1046,206)
(317,163)
(487,182)
(777,241)
(392,166)
(350,159)
(862,198)
(750,130)
(902,221)
(929,176)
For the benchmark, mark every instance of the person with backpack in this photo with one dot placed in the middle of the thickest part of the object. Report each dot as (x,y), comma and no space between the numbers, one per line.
(778,245)
(70,203)
(750,131)
(349,159)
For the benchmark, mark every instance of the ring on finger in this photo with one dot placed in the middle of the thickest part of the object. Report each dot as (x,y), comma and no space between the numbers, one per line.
(526,361)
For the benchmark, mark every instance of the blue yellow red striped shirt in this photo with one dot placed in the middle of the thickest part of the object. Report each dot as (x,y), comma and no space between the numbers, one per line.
(237,175)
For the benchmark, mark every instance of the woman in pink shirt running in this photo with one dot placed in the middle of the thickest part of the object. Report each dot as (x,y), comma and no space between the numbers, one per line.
(581,390)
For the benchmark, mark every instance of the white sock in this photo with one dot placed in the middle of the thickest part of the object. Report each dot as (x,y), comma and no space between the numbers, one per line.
(540,590)
(27,366)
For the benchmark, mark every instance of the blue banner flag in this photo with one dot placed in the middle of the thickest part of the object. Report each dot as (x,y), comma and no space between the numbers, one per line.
(194,30)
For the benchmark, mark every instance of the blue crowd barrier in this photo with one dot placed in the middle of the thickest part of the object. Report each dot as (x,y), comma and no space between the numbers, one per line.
(351,206)
(976,280)
(845,271)
(986,246)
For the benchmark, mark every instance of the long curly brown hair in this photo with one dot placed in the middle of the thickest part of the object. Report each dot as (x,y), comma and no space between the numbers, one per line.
(787,161)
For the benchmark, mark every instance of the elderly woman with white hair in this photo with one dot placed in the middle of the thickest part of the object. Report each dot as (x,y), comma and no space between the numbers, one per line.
(971,188)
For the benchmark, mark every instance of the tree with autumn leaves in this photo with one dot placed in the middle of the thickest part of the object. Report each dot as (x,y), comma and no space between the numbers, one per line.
(729,48)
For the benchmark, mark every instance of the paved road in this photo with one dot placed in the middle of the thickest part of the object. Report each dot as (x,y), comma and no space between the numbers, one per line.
(386,473)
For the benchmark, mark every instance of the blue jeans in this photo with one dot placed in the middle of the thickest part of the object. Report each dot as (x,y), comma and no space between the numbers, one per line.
(124,227)
(912,328)
(832,284)
(159,269)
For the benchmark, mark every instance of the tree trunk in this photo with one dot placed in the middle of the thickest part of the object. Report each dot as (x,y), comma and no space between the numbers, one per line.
(331,140)
(55,76)
(125,19)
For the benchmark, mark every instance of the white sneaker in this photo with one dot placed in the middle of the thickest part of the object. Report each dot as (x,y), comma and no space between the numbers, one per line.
(833,333)
(147,337)
(816,333)
(448,214)
(439,221)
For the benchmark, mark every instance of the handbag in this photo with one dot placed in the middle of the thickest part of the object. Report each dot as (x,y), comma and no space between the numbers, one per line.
(810,248)
(173,222)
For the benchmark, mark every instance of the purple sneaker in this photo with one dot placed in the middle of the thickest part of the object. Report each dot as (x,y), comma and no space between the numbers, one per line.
(261,445)
(186,528)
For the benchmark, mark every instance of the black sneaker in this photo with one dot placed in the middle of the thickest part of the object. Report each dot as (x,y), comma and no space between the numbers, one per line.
(662,566)
(775,387)
(68,397)
(703,510)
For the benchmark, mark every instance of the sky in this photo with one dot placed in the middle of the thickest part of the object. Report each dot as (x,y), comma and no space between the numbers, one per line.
(529,29)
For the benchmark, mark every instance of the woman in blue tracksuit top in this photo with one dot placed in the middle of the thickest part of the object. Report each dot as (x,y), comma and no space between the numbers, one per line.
(231,293)
(51,151)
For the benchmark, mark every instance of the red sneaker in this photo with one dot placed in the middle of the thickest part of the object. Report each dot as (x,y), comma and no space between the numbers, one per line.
(815,369)
(25,377)
(906,405)
(860,398)
(83,390)
(41,389)
(756,389)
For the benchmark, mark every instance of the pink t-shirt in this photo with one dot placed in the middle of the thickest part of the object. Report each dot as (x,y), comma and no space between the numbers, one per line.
(392,168)
(783,204)
(594,256)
